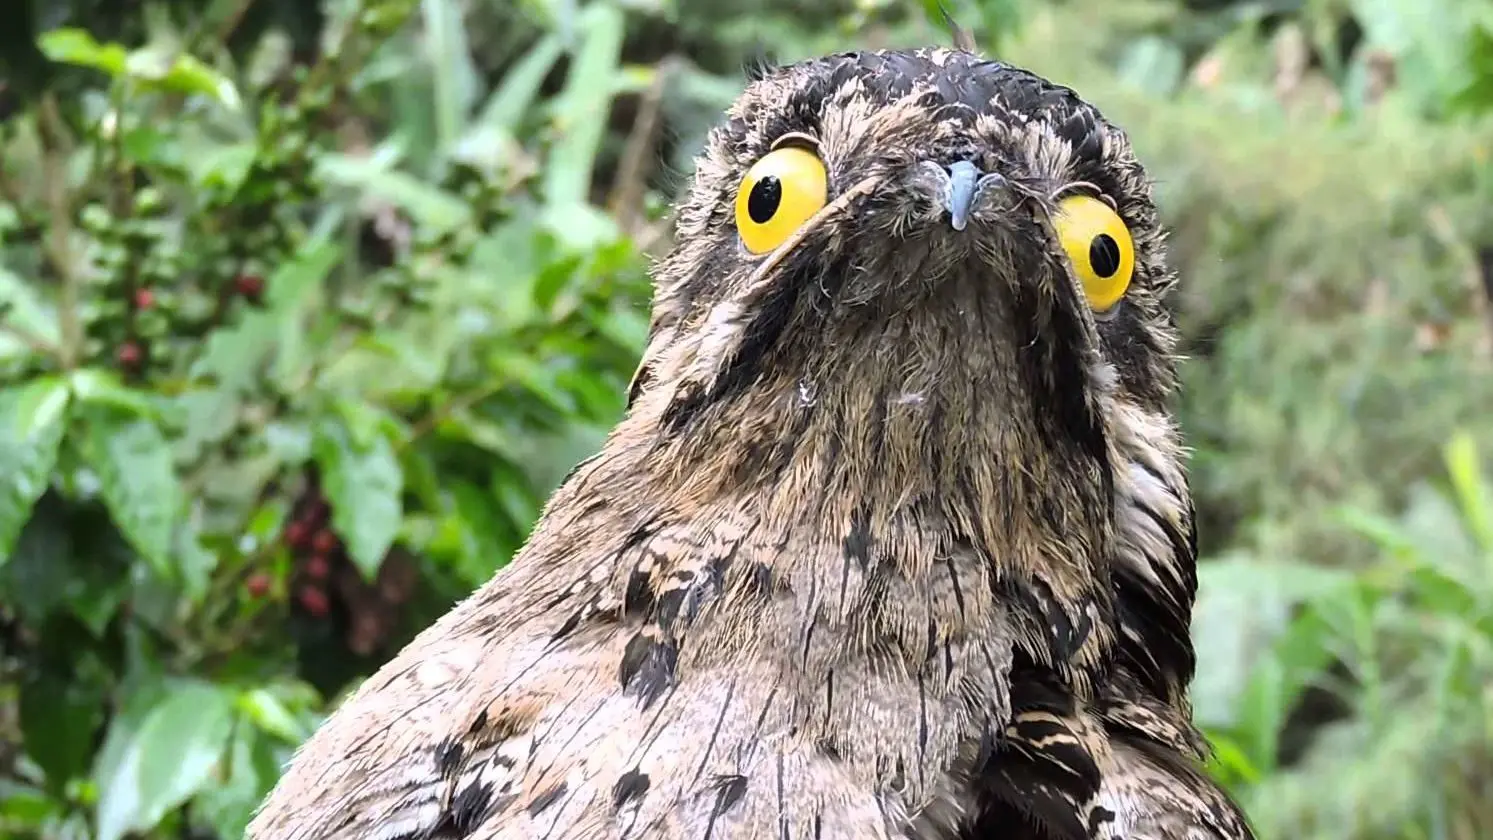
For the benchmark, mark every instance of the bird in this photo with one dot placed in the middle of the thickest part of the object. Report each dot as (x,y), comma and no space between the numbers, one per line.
(894,538)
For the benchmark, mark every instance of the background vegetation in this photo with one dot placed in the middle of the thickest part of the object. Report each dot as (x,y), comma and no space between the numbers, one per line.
(305,308)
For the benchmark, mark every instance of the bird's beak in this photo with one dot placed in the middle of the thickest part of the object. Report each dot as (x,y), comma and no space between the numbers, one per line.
(961,192)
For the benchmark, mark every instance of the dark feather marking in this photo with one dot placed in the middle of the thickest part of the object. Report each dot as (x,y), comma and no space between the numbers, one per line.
(716,731)
(632,785)
(547,798)
(1041,770)
(759,337)
(829,696)
(728,791)
(1064,633)
(756,740)
(691,597)
(954,579)
(857,544)
(829,749)
(1165,657)
(1098,816)
(668,607)
(640,381)
(636,598)
(647,667)
(812,610)
(1184,548)
(471,806)
(569,626)
(479,723)
(922,726)
(759,579)
(448,755)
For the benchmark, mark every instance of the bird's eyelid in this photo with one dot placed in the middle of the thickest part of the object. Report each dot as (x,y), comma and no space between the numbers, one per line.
(1084,188)
(796,138)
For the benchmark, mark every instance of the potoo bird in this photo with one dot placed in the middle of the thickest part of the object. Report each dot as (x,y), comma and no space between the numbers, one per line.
(894,540)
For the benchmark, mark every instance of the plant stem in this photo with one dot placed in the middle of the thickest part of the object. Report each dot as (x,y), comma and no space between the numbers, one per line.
(56,148)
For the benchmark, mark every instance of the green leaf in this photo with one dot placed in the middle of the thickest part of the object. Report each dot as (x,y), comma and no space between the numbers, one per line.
(235,355)
(270,714)
(1244,609)
(1474,497)
(429,205)
(252,769)
(582,106)
(520,85)
(137,481)
(67,559)
(223,167)
(32,420)
(164,757)
(104,387)
(163,69)
(455,79)
(27,805)
(60,715)
(69,45)
(363,482)
(21,306)
(1229,760)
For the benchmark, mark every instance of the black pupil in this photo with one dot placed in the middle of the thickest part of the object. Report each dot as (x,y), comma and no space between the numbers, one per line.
(1104,255)
(764,199)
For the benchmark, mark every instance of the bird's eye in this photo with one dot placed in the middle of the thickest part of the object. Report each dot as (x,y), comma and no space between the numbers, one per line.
(779,193)
(1098,246)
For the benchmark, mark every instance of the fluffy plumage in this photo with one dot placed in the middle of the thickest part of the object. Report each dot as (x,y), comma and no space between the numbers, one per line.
(894,541)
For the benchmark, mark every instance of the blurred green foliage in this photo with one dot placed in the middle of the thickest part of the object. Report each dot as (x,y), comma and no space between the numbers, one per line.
(304,309)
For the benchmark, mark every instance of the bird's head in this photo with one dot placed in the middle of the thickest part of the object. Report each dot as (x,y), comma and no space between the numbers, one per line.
(947,231)
(918,278)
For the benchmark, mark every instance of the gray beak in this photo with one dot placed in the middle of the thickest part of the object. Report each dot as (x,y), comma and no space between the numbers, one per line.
(963,179)
(965,184)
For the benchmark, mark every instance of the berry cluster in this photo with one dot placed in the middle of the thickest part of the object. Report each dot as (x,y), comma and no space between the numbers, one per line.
(148,307)
(317,551)
(324,584)
(318,554)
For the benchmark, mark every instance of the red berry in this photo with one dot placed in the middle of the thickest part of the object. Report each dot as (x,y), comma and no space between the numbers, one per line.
(325,542)
(258,584)
(317,567)
(297,535)
(130,354)
(251,286)
(313,599)
(144,298)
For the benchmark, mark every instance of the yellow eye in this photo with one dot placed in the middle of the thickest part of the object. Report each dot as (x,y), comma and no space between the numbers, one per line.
(779,193)
(1098,246)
